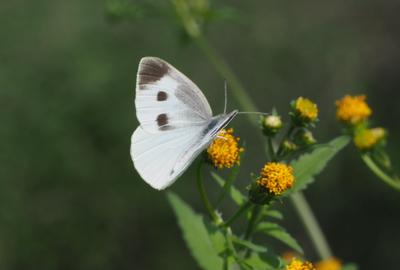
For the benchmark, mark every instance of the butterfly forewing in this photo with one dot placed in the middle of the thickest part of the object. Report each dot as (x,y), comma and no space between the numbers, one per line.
(176,123)
(166,99)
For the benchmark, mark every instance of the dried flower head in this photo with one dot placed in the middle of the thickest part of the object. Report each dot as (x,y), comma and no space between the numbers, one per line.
(329,264)
(296,264)
(276,177)
(352,109)
(367,138)
(224,151)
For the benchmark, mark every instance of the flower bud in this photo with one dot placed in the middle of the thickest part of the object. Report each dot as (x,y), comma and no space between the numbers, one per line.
(366,139)
(305,112)
(304,137)
(271,124)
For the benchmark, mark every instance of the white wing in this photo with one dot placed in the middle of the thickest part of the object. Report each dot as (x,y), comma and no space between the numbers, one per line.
(166,99)
(162,157)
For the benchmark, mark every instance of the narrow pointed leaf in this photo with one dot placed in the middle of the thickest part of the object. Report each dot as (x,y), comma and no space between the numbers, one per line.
(279,233)
(196,235)
(248,244)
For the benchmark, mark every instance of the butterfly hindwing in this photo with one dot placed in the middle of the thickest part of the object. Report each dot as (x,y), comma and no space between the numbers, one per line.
(166,99)
(156,155)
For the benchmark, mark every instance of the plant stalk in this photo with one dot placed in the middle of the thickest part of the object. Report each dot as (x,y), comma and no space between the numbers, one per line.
(243,208)
(311,224)
(203,194)
(380,173)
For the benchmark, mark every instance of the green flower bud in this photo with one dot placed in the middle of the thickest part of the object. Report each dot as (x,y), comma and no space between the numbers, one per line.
(271,124)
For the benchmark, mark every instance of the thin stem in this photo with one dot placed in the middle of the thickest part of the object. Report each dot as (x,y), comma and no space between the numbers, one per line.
(252,222)
(243,208)
(287,136)
(203,195)
(227,186)
(271,151)
(311,224)
(379,172)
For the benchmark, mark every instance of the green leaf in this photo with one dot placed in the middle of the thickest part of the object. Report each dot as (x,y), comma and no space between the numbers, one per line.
(350,266)
(309,165)
(196,235)
(263,261)
(272,213)
(248,244)
(279,233)
(235,194)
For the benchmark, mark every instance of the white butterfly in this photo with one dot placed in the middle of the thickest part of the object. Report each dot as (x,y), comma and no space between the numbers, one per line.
(176,123)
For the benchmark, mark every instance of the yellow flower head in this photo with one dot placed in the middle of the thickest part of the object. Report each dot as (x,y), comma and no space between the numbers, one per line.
(296,264)
(288,256)
(224,150)
(352,109)
(276,177)
(306,109)
(329,264)
(368,138)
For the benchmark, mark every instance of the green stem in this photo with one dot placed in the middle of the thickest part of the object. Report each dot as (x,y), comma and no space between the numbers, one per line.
(243,208)
(380,173)
(287,136)
(203,194)
(252,222)
(227,186)
(271,151)
(311,224)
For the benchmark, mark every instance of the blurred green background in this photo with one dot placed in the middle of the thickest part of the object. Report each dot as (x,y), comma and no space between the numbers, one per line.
(69,195)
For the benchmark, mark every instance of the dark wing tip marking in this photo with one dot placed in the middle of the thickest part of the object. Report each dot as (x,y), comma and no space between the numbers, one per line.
(162,96)
(151,70)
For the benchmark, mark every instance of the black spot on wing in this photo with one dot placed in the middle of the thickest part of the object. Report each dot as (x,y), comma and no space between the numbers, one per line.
(162,96)
(151,70)
(162,122)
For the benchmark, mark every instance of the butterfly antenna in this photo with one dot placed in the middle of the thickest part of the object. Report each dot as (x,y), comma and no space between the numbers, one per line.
(226,95)
(260,113)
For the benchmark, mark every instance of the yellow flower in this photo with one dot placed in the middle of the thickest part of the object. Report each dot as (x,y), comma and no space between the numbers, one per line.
(276,177)
(224,150)
(368,138)
(352,109)
(329,264)
(288,256)
(299,265)
(306,109)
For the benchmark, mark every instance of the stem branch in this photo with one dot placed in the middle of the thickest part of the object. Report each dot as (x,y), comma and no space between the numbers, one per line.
(380,173)
(243,208)
(203,194)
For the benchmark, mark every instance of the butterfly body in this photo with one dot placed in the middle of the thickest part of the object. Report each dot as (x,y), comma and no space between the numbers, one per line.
(176,123)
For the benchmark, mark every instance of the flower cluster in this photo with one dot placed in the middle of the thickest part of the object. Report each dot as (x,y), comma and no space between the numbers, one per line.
(276,178)
(297,264)
(352,109)
(224,151)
